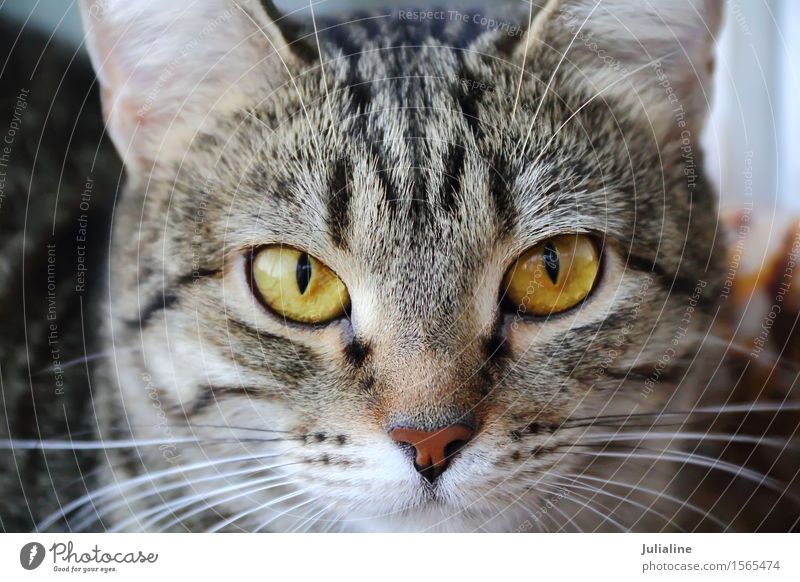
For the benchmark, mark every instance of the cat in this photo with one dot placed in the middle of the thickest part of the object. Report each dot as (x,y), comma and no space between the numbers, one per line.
(410,270)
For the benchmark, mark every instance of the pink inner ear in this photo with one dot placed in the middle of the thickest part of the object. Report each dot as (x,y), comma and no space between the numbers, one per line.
(162,68)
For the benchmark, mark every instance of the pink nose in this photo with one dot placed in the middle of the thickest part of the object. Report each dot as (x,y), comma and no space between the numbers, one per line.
(434,449)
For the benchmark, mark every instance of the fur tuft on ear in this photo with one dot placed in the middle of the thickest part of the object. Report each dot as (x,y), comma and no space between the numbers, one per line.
(163,67)
(652,53)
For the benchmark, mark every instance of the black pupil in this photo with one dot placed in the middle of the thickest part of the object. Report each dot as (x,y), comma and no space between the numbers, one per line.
(303,273)
(551,263)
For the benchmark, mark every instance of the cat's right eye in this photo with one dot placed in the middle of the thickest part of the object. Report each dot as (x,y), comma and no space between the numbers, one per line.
(297,286)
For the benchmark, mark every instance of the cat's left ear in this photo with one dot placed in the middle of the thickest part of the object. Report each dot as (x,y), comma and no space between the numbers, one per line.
(165,68)
(651,54)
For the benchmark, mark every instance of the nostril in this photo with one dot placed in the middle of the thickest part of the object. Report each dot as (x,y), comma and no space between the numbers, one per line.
(452,449)
(433,449)
(408,449)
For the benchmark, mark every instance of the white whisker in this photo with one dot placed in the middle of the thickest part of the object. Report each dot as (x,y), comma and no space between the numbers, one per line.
(655,493)
(226,522)
(206,506)
(79,526)
(116,488)
(699,460)
(178,485)
(621,499)
(693,436)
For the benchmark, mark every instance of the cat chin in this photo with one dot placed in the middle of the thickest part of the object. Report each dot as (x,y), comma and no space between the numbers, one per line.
(433,518)
(422,510)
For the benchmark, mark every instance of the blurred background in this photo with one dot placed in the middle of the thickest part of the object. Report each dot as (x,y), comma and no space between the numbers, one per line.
(755,121)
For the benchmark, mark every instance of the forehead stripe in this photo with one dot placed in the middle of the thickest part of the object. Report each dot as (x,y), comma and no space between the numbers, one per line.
(340,195)
(468,93)
(452,179)
(500,190)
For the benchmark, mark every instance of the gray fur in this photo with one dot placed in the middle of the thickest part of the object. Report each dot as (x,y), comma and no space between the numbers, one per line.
(417,162)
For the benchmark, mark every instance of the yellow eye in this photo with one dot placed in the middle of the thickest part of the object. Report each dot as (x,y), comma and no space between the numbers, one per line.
(297,286)
(552,276)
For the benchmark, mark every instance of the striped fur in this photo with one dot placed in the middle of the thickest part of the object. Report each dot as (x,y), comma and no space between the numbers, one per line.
(417,159)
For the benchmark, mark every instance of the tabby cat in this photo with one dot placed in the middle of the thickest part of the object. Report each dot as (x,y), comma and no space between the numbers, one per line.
(407,270)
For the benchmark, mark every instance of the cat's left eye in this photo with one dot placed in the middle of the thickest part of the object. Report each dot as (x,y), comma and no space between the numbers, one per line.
(297,286)
(553,276)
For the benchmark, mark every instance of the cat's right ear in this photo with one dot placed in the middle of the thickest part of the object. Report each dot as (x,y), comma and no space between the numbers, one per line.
(655,55)
(165,68)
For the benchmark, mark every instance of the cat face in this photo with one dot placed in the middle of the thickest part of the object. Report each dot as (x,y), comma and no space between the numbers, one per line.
(414,171)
